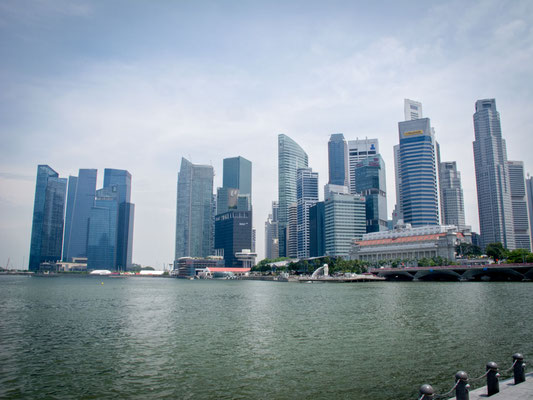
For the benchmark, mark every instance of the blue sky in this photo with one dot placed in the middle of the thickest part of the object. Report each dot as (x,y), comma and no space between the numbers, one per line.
(137,85)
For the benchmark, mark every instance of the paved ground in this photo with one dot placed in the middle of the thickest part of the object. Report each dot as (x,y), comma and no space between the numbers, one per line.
(508,390)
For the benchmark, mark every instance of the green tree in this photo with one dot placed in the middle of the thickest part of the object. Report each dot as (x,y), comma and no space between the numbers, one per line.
(496,251)
(519,256)
(468,250)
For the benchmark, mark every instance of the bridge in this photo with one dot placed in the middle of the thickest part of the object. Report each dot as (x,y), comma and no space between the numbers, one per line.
(456,273)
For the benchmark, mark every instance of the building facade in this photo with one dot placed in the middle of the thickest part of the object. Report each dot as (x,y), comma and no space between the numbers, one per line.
(271,233)
(529,197)
(370,183)
(48,218)
(194,228)
(338,160)
(292,231)
(358,150)
(418,173)
(307,196)
(317,240)
(451,195)
(344,221)
(233,233)
(519,205)
(492,177)
(290,157)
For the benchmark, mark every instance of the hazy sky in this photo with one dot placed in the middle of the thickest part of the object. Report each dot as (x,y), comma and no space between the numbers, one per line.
(136,85)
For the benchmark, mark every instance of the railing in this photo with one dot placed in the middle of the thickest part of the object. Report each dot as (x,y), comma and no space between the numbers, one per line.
(462,385)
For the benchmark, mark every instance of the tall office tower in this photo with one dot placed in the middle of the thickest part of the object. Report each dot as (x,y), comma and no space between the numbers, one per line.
(103,229)
(338,160)
(412,109)
(359,150)
(519,205)
(121,179)
(71,195)
(529,197)
(82,203)
(344,221)
(307,196)
(292,231)
(492,177)
(370,183)
(48,217)
(194,236)
(271,233)
(317,242)
(237,174)
(452,205)
(290,157)
(418,173)
(233,233)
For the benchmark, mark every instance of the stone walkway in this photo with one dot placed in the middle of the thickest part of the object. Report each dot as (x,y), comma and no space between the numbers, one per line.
(508,390)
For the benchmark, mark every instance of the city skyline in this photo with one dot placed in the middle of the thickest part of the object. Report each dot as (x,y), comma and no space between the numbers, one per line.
(155,98)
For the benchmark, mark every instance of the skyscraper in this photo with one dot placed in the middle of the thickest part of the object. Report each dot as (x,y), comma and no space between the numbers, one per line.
(519,205)
(194,226)
(48,217)
(233,233)
(418,173)
(121,180)
(290,157)
(370,183)
(412,109)
(451,193)
(71,195)
(307,196)
(492,177)
(103,229)
(358,150)
(83,201)
(317,241)
(271,233)
(338,160)
(237,174)
(529,197)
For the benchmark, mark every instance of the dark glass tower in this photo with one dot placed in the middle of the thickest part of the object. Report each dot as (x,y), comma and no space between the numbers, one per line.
(78,216)
(307,196)
(237,174)
(48,217)
(71,195)
(370,182)
(233,233)
(317,240)
(338,160)
(194,228)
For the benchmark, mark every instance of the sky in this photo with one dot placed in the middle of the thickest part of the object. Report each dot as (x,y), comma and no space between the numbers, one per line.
(137,85)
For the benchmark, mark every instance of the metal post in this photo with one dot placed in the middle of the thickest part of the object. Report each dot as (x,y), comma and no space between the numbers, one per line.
(519,369)
(426,392)
(493,385)
(461,390)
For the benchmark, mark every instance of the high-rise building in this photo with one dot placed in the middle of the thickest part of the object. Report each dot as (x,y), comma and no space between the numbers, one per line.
(71,195)
(233,233)
(317,241)
(418,173)
(121,179)
(78,216)
(492,177)
(344,221)
(271,233)
(412,109)
(290,157)
(529,197)
(451,195)
(338,160)
(237,174)
(194,237)
(292,231)
(358,150)
(103,229)
(519,205)
(370,183)
(307,196)
(48,217)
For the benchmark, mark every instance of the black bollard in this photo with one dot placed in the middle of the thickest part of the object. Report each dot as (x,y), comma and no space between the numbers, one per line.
(519,369)
(461,390)
(426,392)
(493,385)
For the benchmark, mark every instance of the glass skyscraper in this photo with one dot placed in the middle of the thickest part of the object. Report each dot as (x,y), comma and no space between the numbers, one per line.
(290,157)
(317,242)
(451,193)
(71,195)
(78,216)
(338,160)
(519,203)
(237,174)
(370,183)
(194,227)
(103,229)
(48,217)
(492,177)
(307,196)
(358,150)
(418,173)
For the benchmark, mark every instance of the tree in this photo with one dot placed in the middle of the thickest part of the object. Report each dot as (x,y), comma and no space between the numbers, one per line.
(468,250)
(496,251)
(519,256)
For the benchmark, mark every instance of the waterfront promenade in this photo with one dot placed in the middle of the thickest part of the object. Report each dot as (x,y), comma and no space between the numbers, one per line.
(508,390)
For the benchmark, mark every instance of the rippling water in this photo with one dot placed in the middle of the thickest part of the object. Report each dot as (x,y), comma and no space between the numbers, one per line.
(92,338)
